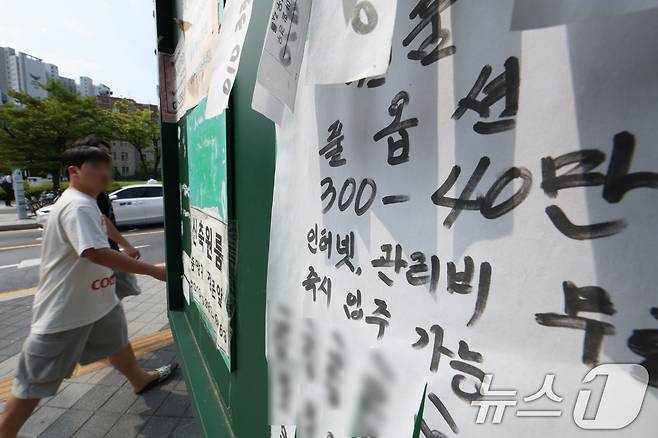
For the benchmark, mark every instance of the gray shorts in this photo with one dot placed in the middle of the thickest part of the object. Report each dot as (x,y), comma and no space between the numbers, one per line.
(47,359)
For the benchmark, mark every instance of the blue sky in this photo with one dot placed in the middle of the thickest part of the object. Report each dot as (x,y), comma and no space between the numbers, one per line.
(111,41)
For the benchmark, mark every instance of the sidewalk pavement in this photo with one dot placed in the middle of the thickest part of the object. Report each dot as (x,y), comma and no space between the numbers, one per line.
(9,219)
(98,401)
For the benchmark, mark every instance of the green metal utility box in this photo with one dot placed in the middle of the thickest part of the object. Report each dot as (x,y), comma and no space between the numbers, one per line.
(207,163)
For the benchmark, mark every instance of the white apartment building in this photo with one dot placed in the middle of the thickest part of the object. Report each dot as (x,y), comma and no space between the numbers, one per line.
(52,72)
(5,71)
(68,83)
(102,90)
(28,73)
(24,73)
(86,87)
(125,158)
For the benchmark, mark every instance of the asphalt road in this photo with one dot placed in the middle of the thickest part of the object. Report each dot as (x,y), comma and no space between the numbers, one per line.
(20,252)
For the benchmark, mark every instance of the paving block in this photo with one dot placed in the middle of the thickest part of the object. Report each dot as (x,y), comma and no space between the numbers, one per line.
(8,366)
(181,386)
(98,425)
(120,400)
(186,429)
(96,377)
(40,421)
(113,378)
(161,320)
(131,315)
(190,412)
(148,403)
(70,395)
(175,405)
(95,398)
(12,349)
(67,424)
(159,427)
(134,327)
(146,317)
(44,401)
(83,378)
(128,426)
(151,328)
(5,342)
(143,307)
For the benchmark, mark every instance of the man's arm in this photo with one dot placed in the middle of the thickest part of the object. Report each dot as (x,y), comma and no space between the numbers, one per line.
(121,262)
(116,236)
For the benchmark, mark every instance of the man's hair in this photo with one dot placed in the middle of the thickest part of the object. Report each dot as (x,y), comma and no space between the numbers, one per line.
(77,155)
(92,140)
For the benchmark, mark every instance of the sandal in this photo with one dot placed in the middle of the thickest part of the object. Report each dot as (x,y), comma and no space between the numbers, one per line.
(165,372)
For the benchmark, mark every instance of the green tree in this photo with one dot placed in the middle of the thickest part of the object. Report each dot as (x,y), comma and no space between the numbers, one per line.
(34,132)
(141,128)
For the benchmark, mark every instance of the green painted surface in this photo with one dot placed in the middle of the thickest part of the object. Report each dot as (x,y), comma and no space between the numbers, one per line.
(251,174)
(203,169)
(206,157)
(207,400)
(184,181)
(227,403)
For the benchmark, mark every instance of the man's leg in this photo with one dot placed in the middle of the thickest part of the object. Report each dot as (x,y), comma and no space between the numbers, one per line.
(43,363)
(17,411)
(100,344)
(126,363)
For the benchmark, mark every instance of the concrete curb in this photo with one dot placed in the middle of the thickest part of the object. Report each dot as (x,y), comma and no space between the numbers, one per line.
(15,227)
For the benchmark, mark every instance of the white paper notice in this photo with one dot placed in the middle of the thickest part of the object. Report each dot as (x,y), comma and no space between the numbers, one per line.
(185,282)
(532,14)
(180,84)
(195,54)
(265,103)
(167,71)
(283,50)
(235,24)
(201,45)
(491,211)
(349,40)
(208,272)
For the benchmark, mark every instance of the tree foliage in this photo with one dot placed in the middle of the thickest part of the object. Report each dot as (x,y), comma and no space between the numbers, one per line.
(141,127)
(35,132)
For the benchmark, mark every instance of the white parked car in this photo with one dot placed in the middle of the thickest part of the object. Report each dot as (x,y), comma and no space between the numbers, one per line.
(133,205)
(138,204)
(42,215)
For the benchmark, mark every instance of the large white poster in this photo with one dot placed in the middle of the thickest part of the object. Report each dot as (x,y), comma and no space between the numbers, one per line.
(482,222)
(206,273)
(531,14)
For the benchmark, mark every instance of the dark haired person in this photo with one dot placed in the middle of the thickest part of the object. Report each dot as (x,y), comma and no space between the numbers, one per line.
(7,185)
(76,315)
(105,204)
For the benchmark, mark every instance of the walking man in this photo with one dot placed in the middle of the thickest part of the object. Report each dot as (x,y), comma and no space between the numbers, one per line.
(105,204)
(76,316)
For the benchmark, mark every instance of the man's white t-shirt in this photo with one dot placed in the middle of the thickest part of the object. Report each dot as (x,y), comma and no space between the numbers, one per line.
(72,291)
